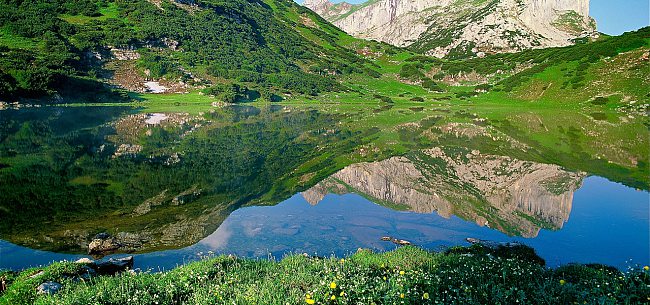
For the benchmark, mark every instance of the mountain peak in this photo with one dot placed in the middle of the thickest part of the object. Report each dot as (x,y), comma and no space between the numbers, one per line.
(456,28)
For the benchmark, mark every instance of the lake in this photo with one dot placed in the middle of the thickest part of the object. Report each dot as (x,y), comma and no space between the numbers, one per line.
(267,181)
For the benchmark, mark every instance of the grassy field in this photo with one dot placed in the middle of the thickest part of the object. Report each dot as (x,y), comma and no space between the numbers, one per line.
(408,275)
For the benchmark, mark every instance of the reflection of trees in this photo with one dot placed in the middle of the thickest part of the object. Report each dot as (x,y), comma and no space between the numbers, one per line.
(251,156)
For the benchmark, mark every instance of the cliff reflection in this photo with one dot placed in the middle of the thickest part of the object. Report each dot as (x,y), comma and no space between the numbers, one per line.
(513,196)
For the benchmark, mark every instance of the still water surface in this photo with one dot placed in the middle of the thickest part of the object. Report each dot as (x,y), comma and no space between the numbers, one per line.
(608,225)
(267,182)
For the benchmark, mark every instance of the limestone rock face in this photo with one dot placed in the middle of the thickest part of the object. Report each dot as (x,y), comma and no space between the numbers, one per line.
(462,27)
(522,197)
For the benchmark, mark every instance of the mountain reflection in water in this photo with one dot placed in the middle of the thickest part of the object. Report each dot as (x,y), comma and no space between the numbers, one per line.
(513,196)
(244,180)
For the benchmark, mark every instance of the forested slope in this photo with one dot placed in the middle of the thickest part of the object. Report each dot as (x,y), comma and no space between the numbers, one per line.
(246,46)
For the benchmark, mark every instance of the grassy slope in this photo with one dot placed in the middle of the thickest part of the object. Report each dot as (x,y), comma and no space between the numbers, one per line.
(405,276)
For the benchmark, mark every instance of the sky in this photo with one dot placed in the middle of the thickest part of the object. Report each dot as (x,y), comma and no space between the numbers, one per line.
(614,17)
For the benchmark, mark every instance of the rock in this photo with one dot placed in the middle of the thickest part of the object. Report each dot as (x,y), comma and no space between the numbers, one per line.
(645,56)
(37,274)
(401,242)
(103,243)
(48,288)
(396,241)
(113,266)
(85,260)
(87,273)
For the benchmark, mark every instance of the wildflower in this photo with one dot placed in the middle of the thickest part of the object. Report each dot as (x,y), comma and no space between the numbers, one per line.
(562,282)
(333,285)
(401,272)
(310,301)
(646,268)
(333,298)
(342,293)
(425,296)
(342,260)
(401,295)
(308,296)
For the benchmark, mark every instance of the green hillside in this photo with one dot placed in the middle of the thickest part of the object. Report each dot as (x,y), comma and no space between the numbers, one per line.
(611,69)
(262,47)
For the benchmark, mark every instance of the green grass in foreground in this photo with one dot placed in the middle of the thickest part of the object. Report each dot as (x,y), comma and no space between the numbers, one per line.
(405,276)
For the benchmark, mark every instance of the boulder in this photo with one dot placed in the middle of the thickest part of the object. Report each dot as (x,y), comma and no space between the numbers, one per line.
(113,266)
(48,288)
(86,273)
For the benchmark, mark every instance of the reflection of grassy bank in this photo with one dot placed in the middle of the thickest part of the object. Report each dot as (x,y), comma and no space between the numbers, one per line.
(234,154)
(560,131)
(405,276)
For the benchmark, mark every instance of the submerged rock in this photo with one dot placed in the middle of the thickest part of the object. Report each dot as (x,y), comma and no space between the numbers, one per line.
(396,241)
(48,288)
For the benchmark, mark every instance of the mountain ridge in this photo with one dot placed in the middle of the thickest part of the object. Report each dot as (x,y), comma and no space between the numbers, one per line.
(458,28)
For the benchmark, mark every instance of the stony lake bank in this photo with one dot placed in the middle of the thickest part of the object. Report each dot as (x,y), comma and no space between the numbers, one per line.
(481,274)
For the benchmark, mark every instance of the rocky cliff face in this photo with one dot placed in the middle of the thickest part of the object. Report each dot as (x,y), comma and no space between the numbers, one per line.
(521,197)
(463,27)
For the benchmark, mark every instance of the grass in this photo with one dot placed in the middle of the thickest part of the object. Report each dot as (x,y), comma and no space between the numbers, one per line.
(408,275)
(12,41)
(108,12)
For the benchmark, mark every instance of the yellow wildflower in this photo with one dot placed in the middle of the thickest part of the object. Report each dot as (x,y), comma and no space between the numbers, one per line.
(333,298)
(562,282)
(308,296)
(310,301)
(426,296)
(646,268)
(401,295)
(342,293)
(401,272)
(342,260)
(333,285)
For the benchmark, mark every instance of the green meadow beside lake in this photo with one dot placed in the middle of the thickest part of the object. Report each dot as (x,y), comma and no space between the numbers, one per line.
(408,275)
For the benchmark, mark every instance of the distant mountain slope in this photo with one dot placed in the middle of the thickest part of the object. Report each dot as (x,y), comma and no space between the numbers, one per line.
(266,46)
(462,28)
